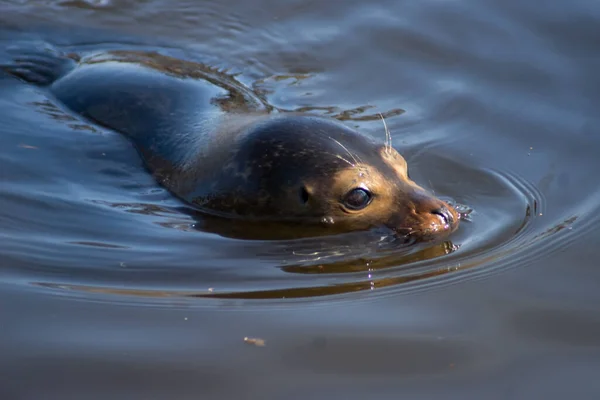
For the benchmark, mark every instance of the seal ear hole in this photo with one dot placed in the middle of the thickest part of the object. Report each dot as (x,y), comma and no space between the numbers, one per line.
(304,196)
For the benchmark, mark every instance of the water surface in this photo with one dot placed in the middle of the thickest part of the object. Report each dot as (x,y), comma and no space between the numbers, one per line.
(112,290)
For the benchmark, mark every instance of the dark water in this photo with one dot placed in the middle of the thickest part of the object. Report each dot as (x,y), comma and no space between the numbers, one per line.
(108,292)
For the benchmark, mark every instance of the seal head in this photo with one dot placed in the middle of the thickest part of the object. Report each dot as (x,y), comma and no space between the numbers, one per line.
(318,171)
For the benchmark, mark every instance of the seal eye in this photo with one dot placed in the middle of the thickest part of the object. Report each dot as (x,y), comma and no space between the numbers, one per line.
(357,199)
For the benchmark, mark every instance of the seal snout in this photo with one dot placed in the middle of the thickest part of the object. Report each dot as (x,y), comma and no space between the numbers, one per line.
(433,217)
(443,218)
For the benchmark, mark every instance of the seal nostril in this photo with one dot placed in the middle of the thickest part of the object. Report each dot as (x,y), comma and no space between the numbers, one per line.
(444,214)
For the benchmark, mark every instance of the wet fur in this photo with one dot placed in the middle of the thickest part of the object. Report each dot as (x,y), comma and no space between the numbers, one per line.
(215,145)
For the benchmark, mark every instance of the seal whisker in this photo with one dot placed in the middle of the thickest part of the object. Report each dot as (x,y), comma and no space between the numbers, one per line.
(341,158)
(431,185)
(388,135)
(356,161)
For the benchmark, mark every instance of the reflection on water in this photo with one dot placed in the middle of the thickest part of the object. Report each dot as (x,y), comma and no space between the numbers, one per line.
(371,267)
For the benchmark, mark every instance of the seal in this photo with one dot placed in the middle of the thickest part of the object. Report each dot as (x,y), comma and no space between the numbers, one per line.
(219,147)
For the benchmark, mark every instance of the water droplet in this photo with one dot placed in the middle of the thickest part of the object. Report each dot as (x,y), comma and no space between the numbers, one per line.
(328,220)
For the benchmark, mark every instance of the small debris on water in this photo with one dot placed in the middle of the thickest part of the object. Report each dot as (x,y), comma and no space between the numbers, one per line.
(26,146)
(255,341)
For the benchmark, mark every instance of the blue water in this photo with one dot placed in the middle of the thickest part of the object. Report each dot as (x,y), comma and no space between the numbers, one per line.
(111,291)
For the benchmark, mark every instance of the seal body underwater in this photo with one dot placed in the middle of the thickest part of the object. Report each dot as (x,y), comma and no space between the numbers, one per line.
(217,146)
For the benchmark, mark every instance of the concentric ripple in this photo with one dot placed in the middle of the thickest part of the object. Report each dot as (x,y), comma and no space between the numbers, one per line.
(493,236)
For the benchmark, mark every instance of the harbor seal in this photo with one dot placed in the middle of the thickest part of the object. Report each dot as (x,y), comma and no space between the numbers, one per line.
(219,147)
